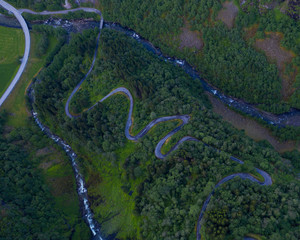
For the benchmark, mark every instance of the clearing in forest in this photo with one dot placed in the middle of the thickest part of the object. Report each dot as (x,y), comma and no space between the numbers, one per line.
(271,46)
(190,39)
(251,127)
(228,13)
(12,45)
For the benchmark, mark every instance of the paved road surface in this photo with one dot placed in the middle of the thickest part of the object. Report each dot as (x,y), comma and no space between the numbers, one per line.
(145,130)
(85,9)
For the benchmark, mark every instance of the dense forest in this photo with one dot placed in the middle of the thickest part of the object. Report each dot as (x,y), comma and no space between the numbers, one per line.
(227,60)
(163,197)
(43,44)
(30,206)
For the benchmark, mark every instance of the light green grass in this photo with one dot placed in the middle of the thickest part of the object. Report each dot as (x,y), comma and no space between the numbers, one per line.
(15,104)
(12,46)
(58,170)
(116,212)
(278,14)
(119,204)
(114,208)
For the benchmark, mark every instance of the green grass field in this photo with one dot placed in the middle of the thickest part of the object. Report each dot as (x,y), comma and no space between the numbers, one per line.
(15,104)
(12,46)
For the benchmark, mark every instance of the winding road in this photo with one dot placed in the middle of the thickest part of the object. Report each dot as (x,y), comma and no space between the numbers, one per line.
(145,130)
(80,181)
(185,119)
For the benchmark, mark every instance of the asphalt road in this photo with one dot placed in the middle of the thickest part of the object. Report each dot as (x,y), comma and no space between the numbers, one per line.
(185,119)
(85,9)
(145,130)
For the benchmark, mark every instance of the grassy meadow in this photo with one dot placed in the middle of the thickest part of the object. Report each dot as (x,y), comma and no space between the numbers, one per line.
(15,103)
(12,46)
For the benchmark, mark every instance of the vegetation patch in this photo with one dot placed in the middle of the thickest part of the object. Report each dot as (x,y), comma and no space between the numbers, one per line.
(48,200)
(250,32)
(226,60)
(44,151)
(291,8)
(38,5)
(49,204)
(15,104)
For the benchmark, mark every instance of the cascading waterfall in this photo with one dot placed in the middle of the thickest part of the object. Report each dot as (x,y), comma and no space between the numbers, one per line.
(81,188)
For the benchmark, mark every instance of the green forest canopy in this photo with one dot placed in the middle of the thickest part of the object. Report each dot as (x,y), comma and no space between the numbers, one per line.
(227,59)
(168,194)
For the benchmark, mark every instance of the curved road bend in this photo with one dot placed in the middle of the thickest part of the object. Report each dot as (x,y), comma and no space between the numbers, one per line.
(267,181)
(185,119)
(24,26)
